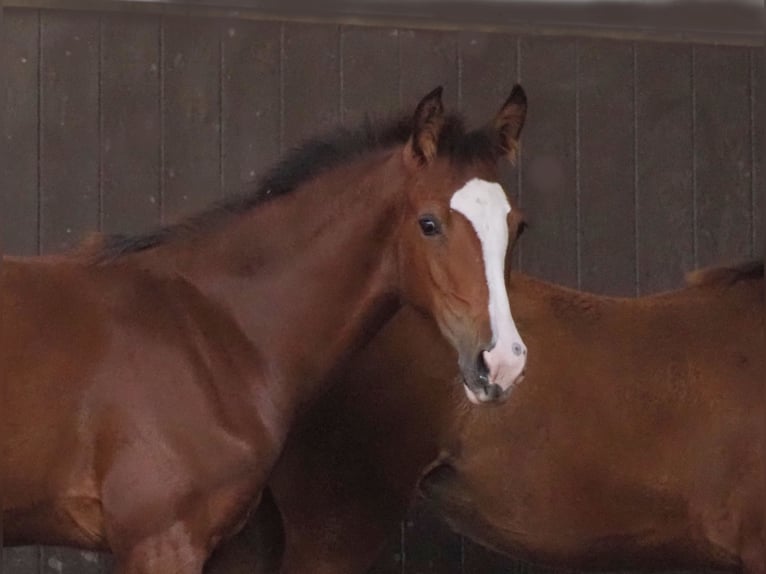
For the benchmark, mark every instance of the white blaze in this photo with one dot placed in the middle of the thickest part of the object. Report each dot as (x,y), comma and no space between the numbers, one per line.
(486,206)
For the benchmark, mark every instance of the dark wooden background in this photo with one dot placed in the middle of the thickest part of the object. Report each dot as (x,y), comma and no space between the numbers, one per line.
(641,160)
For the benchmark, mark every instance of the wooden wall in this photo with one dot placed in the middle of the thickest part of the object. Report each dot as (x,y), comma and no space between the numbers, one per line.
(640,160)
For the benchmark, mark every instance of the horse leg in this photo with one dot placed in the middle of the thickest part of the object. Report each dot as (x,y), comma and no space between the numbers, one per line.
(183,548)
(325,541)
(184,545)
(256,549)
(343,542)
(169,552)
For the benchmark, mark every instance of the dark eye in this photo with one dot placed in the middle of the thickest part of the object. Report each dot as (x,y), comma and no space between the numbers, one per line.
(521,228)
(429,225)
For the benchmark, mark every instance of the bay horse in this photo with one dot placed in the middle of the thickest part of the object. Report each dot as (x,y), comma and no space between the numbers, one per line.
(637,440)
(149,382)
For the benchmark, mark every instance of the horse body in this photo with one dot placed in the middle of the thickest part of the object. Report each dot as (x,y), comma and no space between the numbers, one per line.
(105,432)
(638,443)
(151,381)
(636,439)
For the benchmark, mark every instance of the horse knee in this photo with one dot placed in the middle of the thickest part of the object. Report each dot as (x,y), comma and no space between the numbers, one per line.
(171,552)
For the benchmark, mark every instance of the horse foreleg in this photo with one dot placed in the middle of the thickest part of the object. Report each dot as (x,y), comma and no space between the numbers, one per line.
(325,543)
(170,552)
(256,549)
(335,543)
(183,546)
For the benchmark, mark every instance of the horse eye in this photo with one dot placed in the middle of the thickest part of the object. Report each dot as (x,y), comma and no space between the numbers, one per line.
(429,226)
(521,228)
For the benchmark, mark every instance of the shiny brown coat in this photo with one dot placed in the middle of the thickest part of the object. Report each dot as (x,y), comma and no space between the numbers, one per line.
(149,383)
(637,439)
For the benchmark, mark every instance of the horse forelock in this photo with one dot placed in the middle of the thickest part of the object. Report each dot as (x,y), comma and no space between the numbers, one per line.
(298,166)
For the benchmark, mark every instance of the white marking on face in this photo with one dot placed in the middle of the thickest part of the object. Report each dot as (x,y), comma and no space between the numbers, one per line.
(486,207)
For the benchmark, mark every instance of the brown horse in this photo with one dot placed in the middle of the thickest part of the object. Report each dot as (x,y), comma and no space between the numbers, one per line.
(636,441)
(150,381)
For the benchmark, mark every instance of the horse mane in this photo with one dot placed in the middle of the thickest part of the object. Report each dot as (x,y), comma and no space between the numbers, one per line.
(298,166)
(726,276)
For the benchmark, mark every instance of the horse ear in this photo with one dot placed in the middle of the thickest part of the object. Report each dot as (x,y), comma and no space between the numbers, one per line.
(510,121)
(427,125)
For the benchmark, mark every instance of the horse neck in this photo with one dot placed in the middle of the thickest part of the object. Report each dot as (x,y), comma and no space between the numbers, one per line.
(598,363)
(653,328)
(311,275)
(585,344)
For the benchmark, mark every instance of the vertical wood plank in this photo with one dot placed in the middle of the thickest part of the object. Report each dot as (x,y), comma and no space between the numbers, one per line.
(60,560)
(391,557)
(606,178)
(723,154)
(664,165)
(757,125)
(370,88)
(311,85)
(19,192)
(191,115)
(370,73)
(487,74)
(429,545)
(69,128)
(130,110)
(251,80)
(548,193)
(68,168)
(428,58)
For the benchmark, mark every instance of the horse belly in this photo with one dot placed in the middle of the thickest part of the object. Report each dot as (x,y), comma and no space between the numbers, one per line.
(573,531)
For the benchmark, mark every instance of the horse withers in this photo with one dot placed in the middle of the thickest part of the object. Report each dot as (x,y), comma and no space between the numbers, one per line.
(150,381)
(637,441)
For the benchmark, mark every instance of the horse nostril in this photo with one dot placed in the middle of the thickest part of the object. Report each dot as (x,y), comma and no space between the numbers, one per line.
(482,369)
(518,349)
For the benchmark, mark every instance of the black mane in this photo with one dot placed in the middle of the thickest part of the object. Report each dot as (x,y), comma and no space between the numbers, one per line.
(300,165)
(726,276)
